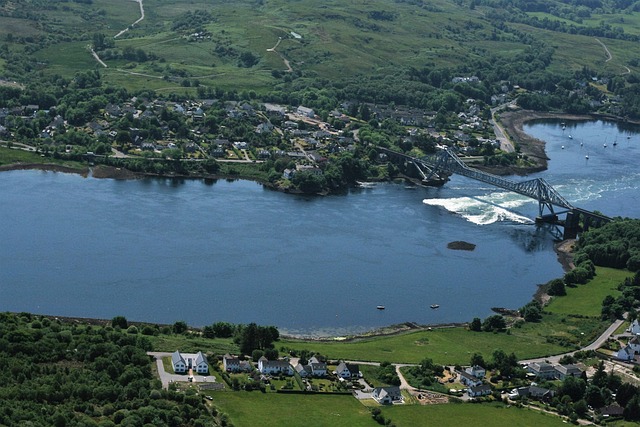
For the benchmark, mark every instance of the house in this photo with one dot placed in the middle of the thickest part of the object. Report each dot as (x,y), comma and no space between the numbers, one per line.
(315,368)
(270,367)
(634,344)
(635,327)
(613,410)
(182,362)
(564,371)
(201,363)
(234,364)
(480,390)
(476,371)
(304,111)
(535,392)
(387,395)
(178,363)
(469,380)
(348,370)
(625,354)
(541,393)
(542,370)
(303,370)
(318,368)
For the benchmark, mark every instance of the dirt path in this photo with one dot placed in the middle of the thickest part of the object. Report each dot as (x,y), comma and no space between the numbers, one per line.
(95,55)
(286,62)
(139,19)
(610,57)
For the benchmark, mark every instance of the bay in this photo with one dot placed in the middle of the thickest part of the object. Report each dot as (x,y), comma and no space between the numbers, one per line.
(163,250)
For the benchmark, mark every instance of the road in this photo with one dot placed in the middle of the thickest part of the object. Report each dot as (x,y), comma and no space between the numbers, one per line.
(139,19)
(593,346)
(505,143)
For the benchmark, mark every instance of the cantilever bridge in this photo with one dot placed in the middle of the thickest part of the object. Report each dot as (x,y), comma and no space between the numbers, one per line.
(436,167)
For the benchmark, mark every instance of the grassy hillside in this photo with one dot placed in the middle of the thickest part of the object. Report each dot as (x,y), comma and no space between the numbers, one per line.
(331,41)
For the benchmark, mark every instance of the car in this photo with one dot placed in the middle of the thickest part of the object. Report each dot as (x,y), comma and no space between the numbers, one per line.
(208,397)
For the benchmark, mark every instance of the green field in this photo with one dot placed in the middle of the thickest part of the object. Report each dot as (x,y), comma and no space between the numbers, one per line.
(275,409)
(291,410)
(9,156)
(443,346)
(587,299)
(468,414)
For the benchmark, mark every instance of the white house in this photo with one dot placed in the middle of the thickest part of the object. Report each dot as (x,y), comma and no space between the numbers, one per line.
(234,364)
(634,343)
(476,371)
(542,370)
(178,363)
(347,370)
(269,367)
(564,371)
(182,362)
(635,327)
(469,380)
(304,111)
(481,390)
(318,368)
(387,395)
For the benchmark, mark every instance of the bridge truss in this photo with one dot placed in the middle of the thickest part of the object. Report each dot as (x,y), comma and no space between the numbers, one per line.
(538,189)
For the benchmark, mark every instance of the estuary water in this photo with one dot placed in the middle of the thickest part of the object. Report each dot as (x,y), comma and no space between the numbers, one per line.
(163,250)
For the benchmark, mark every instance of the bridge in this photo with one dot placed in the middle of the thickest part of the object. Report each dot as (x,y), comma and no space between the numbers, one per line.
(435,169)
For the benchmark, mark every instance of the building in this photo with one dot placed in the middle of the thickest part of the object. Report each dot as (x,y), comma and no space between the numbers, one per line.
(270,367)
(183,362)
(348,370)
(387,395)
(542,370)
(479,391)
(234,364)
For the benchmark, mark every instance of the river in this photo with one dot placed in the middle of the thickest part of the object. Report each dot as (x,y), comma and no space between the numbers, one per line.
(162,250)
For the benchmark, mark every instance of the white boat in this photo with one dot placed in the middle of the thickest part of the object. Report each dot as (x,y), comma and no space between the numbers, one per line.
(363,184)
(434,306)
(570,136)
(380,307)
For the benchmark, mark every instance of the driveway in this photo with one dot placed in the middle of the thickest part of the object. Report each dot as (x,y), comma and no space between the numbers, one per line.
(166,378)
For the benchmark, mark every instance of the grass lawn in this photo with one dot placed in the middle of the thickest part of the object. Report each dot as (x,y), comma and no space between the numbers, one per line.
(10,156)
(469,414)
(443,346)
(586,300)
(193,344)
(276,409)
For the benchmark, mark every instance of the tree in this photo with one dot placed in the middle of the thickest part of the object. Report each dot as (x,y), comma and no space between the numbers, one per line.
(556,288)
(573,388)
(120,322)
(494,323)
(180,327)
(476,324)
(477,359)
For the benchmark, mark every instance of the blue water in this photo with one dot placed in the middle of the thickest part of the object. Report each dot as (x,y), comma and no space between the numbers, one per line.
(165,250)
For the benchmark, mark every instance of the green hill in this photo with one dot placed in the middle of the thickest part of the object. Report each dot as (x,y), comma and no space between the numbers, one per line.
(229,44)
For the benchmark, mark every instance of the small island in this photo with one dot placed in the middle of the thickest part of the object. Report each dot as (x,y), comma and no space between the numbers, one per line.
(460,245)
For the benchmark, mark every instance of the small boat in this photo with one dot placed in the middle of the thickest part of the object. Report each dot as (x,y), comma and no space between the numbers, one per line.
(563,147)
(434,306)
(586,157)
(363,184)
(604,145)
(570,136)
(380,307)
